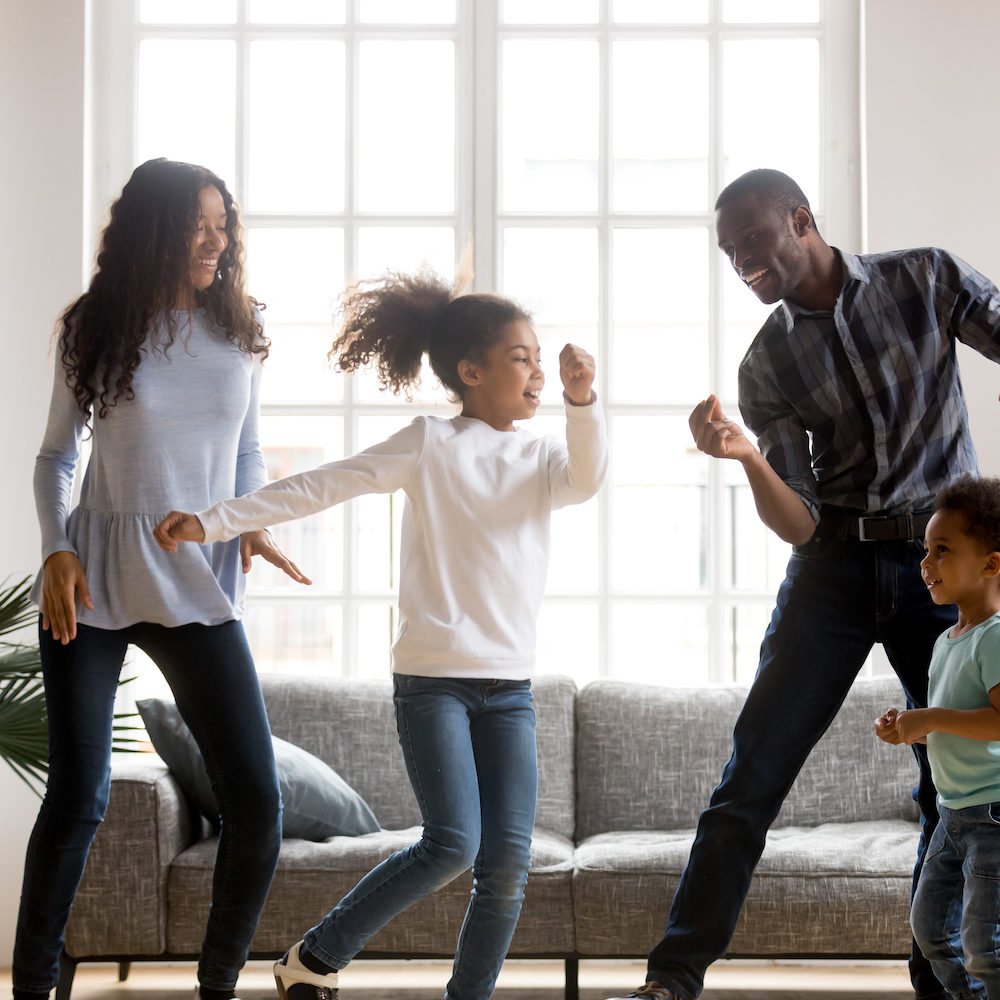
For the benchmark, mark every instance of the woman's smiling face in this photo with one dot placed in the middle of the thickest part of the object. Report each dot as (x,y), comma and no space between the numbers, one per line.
(208,241)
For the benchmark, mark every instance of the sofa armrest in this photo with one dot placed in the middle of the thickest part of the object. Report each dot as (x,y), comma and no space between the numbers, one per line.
(121,905)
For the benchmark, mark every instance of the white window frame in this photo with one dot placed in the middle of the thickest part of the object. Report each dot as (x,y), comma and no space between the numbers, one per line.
(111,131)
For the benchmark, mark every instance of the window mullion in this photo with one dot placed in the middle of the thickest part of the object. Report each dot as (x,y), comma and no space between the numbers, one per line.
(485,17)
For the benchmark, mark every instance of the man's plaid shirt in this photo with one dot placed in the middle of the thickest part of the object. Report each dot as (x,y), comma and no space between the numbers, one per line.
(863,407)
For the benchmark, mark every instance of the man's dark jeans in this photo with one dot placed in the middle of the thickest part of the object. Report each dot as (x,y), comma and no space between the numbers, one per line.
(211,673)
(839,597)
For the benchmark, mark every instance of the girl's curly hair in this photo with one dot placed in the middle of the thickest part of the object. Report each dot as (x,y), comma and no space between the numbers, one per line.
(978,501)
(396,319)
(144,258)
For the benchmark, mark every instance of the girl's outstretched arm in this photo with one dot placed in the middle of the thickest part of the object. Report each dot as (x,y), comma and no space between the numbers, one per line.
(178,526)
(382,468)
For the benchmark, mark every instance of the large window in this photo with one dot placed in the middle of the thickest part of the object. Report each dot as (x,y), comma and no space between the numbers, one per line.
(576,146)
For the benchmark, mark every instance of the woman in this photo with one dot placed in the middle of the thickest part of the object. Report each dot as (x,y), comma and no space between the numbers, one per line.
(159,363)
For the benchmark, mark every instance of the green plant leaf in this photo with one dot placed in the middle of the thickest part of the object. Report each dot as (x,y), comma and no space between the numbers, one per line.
(24,739)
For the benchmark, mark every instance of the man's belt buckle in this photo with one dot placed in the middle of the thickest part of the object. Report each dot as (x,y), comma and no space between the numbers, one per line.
(886,528)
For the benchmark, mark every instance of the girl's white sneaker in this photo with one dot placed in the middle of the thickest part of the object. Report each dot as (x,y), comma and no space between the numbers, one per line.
(296,982)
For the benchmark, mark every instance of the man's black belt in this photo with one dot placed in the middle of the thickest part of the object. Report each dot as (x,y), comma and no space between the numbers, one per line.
(908,526)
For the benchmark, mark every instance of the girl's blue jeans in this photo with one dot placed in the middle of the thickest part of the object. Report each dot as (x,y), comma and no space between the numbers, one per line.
(956,908)
(212,676)
(469,747)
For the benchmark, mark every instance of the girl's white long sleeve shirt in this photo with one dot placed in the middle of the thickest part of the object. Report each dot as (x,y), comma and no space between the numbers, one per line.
(475,533)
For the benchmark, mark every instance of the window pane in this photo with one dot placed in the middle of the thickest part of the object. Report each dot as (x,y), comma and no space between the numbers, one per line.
(187,11)
(313,543)
(550,11)
(552,273)
(298,273)
(755,556)
(187,115)
(771,63)
(770,11)
(406,249)
(297,11)
(408,11)
(575,554)
(660,303)
(297,369)
(301,637)
(660,143)
(656,643)
(377,520)
(569,641)
(661,11)
(378,517)
(406,154)
(745,628)
(549,129)
(742,316)
(658,496)
(296,146)
(376,624)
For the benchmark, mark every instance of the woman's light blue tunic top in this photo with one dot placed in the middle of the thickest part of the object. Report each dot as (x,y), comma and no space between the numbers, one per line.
(187,439)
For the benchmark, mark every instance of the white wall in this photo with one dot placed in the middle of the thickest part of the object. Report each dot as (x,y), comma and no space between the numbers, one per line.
(932,80)
(41,208)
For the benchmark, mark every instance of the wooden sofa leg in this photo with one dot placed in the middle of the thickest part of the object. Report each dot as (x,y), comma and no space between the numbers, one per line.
(124,968)
(572,979)
(67,970)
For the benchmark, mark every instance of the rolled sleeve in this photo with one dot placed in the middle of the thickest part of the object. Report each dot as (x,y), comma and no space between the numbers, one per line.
(781,436)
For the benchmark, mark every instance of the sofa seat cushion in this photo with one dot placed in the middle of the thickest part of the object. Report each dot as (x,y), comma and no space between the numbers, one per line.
(313,876)
(842,887)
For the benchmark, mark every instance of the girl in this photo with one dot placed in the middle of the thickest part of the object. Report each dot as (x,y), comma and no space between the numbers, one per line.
(474,553)
(162,353)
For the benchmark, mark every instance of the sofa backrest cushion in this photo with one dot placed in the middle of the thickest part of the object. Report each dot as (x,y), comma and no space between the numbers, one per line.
(648,758)
(349,723)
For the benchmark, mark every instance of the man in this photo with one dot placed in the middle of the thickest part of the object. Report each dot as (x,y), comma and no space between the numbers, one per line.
(852,389)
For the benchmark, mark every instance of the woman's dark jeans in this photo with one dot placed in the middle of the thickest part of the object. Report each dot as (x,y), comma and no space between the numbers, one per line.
(211,673)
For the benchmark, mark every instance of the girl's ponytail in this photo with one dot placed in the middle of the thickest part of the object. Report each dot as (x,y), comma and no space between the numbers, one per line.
(391,320)
(394,320)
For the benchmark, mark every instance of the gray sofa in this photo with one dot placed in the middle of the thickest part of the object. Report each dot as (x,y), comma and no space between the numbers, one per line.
(624,771)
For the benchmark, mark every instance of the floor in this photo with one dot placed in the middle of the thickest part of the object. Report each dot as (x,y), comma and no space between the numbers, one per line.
(520,980)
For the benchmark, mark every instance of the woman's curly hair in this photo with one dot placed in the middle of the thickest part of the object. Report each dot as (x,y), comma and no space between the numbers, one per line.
(396,319)
(144,258)
(978,501)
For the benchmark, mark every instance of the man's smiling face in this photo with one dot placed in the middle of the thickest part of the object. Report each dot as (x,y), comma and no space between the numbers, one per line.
(763,246)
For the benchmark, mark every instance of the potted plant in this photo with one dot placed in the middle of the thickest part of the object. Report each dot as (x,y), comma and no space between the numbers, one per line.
(23,724)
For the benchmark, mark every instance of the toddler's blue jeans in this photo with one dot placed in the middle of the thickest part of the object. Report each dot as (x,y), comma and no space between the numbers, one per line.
(956,908)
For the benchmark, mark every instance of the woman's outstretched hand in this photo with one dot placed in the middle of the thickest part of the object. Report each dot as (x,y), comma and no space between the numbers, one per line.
(178,527)
(63,584)
(260,543)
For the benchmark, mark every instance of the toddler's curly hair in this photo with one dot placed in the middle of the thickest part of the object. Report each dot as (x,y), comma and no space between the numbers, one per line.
(978,501)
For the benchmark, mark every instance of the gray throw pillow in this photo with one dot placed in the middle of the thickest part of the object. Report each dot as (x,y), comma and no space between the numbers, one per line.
(318,803)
